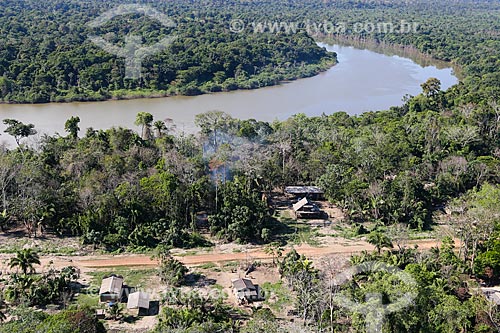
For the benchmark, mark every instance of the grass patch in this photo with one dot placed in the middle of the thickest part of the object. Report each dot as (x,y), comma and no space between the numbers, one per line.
(208,266)
(187,253)
(287,230)
(220,290)
(43,246)
(412,234)
(303,234)
(286,215)
(230,265)
(278,296)
(351,231)
(132,277)
(137,278)
(87,300)
(422,235)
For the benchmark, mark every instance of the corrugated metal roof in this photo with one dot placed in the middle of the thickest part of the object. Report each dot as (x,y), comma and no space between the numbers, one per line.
(111,285)
(303,189)
(137,300)
(240,284)
(301,203)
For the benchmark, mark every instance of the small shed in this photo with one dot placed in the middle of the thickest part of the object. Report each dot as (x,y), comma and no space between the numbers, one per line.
(245,291)
(311,192)
(306,209)
(138,303)
(111,289)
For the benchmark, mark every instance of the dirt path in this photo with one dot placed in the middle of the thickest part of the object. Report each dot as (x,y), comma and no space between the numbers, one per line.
(255,254)
(87,263)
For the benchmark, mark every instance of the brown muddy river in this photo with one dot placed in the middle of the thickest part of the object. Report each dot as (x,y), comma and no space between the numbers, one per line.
(362,81)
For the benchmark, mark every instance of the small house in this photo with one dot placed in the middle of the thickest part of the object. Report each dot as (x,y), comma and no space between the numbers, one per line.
(311,192)
(245,291)
(111,289)
(138,303)
(306,209)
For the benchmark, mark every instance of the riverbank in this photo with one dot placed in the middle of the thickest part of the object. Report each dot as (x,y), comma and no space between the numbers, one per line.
(361,81)
(262,80)
(390,49)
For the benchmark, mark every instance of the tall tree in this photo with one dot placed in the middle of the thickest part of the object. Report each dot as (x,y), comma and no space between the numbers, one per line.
(144,119)
(18,129)
(431,87)
(213,122)
(160,128)
(71,126)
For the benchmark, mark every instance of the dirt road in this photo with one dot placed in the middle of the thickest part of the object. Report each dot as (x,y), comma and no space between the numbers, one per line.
(86,263)
(255,254)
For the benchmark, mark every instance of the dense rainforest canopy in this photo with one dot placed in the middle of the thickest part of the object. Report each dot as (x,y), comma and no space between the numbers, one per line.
(134,189)
(46,54)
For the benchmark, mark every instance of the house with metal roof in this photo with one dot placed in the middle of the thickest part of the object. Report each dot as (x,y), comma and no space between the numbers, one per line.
(138,303)
(111,289)
(306,209)
(311,192)
(245,291)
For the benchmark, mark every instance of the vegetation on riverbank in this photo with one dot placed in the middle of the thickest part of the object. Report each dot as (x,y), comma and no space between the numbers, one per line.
(47,56)
(390,171)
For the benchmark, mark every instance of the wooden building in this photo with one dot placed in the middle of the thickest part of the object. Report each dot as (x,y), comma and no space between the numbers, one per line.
(306,209)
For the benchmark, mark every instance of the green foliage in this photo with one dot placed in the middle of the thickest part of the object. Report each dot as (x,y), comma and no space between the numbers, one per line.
(54,60)
(379,240)
(71,126)
(172,271)
(195,313)
(293,263)
(442,302)
(242,213)
(52,287)
(18,129)
(25,260)
(144,119)
(67,321)
(119,191)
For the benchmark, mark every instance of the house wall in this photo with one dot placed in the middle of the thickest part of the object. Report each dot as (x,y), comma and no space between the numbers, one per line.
(109,297)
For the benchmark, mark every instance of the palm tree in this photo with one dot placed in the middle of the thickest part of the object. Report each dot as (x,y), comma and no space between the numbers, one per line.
(25,259)
(160,127)
(379,240)
(144,119)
